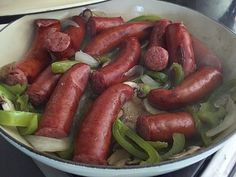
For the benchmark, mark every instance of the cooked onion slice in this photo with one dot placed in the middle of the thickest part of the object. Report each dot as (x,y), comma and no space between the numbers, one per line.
(228,121)
(7,105)
(149,108)
(119,158)
(132,84)
(190,150)
(149,81)
(46,144)
(135,71)
(67,22)
(86,58)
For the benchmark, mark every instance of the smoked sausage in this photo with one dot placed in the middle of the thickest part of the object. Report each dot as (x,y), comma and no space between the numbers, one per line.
(204,56)
(156,57)
(36,59)
(157,37)
(63,45)
(94,136)
(98,24)
(58,116)
(160,127)
(41,89)
(191,90)
(179,46)
(114,72)
(111,38)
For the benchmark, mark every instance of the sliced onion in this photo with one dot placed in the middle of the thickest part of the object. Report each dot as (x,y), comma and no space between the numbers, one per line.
(221,101)
(86,58)
(119,158)
(149,81)
(68,22)
(151,109)
(228,121)
(46,144)
(7,105)
(191,150)
(132,84)
(135,71)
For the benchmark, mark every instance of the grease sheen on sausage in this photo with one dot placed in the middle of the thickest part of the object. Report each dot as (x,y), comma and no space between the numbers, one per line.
(58,116)
(111,38)
(114,72)
(42,88)
(160,127)
(37,58)
(98,24)
(192,89)
(94,137)
(179,46)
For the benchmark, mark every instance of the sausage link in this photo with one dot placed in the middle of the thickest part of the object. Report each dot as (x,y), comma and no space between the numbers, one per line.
(37,58)
(94,136)
(161,127)
(62,105)
(156,57)
(111,38)
(179,46)
(195,87)
(98,24)
(42,88)
(63,45)
(114,72)
(157,37)
(204,56)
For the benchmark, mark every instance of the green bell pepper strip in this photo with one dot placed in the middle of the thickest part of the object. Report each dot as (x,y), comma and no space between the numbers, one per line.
(158,144)
(22,104)
(62,66)
(177,147)
(209,114)
(150,18)
(31,128)
(5,92)
(176,70)
(121,133)
(201,129)
(20,119)
(17,89)
(158,76)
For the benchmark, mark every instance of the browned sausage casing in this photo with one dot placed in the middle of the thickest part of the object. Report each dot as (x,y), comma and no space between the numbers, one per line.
(42,88)
(108,39)
(98,24)
(204,56)
(161,127)
(114,72)
(63,45)
(37,58)
(195,87)
(156,57)
(179,46)
(93,141)
(157,37)
(62,105)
